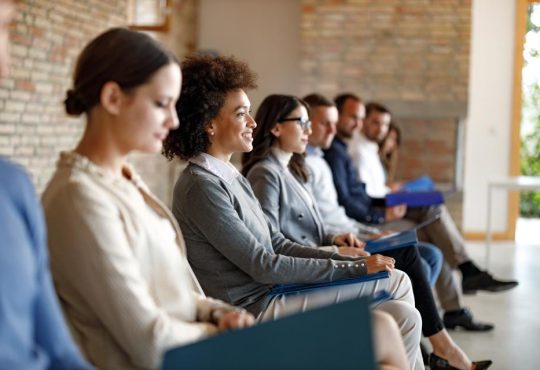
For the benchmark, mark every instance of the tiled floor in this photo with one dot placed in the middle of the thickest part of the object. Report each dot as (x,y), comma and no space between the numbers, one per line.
(515,342)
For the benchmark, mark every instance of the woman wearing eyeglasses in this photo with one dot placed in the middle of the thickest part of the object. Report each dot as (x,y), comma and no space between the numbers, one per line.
(273,169)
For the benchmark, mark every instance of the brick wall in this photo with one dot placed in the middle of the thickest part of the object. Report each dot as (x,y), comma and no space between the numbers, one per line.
(435,140)
(46,39)
(412,55)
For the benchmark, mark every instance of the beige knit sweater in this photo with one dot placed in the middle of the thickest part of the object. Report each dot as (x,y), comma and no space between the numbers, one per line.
(119,265)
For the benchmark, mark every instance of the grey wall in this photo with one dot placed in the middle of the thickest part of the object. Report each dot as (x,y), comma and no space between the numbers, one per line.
(264,33)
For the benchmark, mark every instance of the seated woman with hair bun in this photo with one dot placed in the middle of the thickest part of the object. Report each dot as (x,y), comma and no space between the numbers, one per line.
(237,255)
(117,255)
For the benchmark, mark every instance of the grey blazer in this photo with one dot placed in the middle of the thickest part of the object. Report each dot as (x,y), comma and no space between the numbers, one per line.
(285,205)
(235,253)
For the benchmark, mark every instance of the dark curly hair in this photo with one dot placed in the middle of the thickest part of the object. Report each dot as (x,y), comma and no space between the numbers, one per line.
(206,82)
(273,109)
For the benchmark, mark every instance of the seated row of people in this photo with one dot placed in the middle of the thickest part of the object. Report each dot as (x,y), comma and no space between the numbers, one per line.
(119,257)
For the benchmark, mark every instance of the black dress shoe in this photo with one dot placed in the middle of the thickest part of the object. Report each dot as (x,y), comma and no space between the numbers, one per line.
(439,363)
(463,318)
(484,281)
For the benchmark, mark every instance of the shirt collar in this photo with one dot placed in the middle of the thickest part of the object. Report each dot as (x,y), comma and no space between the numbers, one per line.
(314,151)
(224,170)
(367,142)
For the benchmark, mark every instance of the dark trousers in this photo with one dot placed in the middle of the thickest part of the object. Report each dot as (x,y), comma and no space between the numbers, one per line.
(408,261)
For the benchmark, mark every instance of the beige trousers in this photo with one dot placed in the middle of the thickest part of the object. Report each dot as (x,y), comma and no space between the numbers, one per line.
(443,233)
(401,307)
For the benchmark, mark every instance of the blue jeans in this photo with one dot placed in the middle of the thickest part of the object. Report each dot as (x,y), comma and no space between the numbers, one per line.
(432,259)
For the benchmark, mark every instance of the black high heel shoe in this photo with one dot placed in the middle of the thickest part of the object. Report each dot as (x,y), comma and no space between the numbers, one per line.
(439,363)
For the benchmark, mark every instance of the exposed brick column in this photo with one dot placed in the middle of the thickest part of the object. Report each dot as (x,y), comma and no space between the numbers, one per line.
(46,38)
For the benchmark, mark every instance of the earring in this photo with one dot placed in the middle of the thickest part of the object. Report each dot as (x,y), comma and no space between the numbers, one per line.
(211,133)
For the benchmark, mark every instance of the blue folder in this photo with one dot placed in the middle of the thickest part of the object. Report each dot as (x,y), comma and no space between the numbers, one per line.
(393,241)
(423,183)
(333,337)
(306,287)
(414,198)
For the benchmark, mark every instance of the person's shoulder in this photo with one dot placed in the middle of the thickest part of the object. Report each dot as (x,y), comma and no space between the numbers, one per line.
(71,185)
(266,165)
(195,181)
(14,177)
(267,171)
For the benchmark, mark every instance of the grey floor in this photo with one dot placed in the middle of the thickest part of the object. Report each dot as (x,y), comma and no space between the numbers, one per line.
(515,342)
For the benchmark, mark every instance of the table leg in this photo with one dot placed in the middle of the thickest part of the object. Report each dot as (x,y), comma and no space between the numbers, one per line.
(488,227)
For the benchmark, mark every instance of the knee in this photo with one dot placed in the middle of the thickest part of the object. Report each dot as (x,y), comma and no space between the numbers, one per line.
(402,279)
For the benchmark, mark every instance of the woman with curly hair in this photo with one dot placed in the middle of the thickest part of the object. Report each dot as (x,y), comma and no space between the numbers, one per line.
(236,254)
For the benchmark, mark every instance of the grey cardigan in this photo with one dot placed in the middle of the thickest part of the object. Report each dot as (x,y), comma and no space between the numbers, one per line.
(235,252)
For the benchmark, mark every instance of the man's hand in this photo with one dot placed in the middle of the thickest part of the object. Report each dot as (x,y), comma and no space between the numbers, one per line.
(395,212)
(235,320)
(378,262)
(348,240)
(395,186)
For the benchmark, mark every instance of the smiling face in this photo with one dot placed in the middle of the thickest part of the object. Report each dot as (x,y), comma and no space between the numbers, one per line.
(231,130)
(146,114)
(323,126)
(291,137)
(351,117)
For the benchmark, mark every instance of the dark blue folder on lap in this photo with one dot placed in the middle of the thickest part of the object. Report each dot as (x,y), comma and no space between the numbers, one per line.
(393,241)
(414,198)
(306,287)
(332,337)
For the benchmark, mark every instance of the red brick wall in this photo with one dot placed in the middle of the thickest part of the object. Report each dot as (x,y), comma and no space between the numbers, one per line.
(46,39)
(428,147)
(412,55)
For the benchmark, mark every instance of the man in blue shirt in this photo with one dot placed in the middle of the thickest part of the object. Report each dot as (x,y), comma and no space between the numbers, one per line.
(33,334)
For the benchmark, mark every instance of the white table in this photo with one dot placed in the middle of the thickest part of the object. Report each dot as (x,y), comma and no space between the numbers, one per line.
(517,183)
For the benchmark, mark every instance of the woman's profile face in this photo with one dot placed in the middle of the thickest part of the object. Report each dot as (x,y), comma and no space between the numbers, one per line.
(292,134)
(231,130)
(148,113)
(390,143)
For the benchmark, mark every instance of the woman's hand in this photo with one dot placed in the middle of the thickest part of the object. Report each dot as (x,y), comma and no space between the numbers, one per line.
(348,240)
(353,251)
(378,263)
(235,320)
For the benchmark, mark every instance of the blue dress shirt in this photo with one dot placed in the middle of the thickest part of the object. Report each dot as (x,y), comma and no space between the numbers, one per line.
(351,191)
(33,334)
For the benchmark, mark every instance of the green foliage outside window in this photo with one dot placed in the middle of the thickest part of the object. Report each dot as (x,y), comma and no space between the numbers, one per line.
(530,134)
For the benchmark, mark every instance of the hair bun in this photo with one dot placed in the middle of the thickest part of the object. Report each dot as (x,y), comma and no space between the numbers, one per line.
(74,104)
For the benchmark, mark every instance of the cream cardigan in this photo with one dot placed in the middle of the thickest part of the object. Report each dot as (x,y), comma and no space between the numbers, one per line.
(119,265)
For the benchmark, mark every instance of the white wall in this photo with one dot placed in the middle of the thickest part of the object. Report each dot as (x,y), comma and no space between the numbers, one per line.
(487,142)
(264,33)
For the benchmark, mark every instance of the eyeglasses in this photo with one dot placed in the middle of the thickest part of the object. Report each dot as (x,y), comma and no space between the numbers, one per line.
(305,124)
